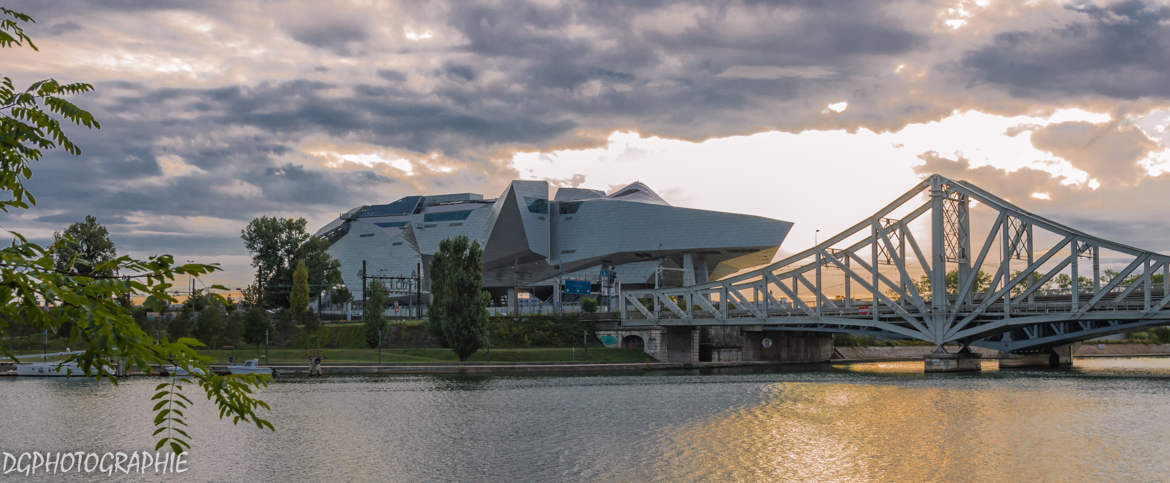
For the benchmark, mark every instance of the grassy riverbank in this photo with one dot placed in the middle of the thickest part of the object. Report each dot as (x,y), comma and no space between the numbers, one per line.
(433,355)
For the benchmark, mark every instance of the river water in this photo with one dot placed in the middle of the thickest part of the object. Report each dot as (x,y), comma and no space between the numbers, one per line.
(1105,419)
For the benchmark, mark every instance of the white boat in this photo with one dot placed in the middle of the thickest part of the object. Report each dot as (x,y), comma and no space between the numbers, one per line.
(53,369)
(48,369)
(251,366)
(172,370)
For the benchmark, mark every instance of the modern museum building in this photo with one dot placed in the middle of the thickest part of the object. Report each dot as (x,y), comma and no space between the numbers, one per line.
(578,239)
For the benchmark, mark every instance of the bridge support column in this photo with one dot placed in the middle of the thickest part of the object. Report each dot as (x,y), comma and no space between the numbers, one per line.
(1056,357)
(787,346)
(682,344)
(962,361)
(720,344)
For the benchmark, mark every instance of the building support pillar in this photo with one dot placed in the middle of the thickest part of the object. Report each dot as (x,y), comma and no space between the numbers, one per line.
(688,269)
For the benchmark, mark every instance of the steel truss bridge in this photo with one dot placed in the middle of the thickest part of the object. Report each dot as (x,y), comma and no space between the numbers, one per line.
(876,278)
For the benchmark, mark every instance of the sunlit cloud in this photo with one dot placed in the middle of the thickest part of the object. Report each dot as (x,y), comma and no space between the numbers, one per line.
(416,36)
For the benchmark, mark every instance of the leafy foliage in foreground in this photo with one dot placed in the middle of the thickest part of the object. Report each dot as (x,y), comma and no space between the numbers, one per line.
(35,290)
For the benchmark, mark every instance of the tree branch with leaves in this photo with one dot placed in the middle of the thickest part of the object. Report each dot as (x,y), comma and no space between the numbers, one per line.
(35,289)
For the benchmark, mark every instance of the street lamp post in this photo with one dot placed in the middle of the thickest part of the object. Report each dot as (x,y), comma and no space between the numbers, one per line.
(191,293)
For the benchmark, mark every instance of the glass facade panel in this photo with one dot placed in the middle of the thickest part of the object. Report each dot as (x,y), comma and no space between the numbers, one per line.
(447,216)
(537,205)
(569,207)
(404,206)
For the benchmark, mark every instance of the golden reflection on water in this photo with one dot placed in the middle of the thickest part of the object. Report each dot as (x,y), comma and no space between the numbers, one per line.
(902,367)
(850,432)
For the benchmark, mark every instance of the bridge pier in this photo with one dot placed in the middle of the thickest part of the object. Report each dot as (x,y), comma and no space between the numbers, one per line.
(682,344)
(963,361)
(1056,357)
(787,346)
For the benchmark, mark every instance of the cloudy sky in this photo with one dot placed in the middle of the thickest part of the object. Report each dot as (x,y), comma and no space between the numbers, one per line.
(215,112)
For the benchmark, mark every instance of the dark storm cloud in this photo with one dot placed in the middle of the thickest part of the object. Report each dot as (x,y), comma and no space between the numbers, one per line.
(459,72)
(380,114)
(63,28)
(189,244)
(1120,50)
(339,37)
(66,219)
(670,75)
(391,75)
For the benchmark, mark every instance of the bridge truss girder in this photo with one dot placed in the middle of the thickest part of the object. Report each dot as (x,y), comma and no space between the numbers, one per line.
(897,306)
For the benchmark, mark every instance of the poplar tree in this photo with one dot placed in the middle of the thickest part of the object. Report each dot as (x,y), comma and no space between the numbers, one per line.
(458,308)
(373,307)
(298,300)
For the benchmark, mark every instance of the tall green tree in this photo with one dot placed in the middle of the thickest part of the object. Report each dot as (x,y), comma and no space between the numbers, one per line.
(298,300)
(84,247)
(256,326)
(35,292)
(324,270)
(373,312)
(284,325)
(276,245)
(233,329)
(209,325)
(458,306)
(181,324)
(340,295)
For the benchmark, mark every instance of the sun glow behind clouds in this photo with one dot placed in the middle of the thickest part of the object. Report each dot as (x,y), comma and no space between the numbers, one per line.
(416,36)
(817,179)
(838,106)
(369,160)
(957,17)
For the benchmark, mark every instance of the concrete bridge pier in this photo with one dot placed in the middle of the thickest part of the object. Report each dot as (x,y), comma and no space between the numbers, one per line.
(1056,357)
(682,344)
(787,346)
(963,361)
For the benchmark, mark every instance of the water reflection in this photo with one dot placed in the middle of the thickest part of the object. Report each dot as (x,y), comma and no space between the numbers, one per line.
(906,368)
(1101,420)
